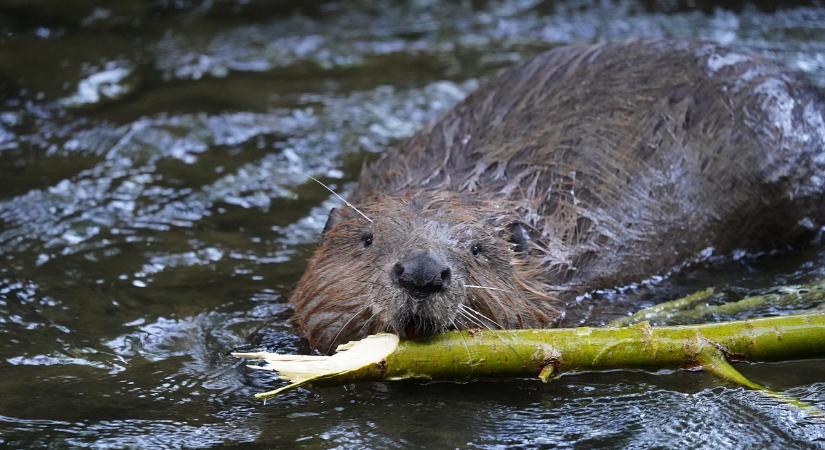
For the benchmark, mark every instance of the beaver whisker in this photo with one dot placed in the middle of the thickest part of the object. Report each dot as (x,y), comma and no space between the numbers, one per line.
(500,338)
(473,320)
(469,309)
(499,301)
(341,198)
(464,340)
(366,322)
(376,283)
(463,324)
(469,322)
(496,299)
(345,325)
(486,287)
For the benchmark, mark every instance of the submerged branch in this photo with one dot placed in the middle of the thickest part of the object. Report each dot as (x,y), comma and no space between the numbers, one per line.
(663,311)
(693,309)
(545,353)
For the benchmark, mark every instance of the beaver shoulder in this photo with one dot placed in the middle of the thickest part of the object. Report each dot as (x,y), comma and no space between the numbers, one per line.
(582,168)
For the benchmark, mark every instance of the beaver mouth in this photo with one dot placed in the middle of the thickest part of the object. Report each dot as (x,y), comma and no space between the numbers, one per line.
(420,317)
(417,328)
(413,329)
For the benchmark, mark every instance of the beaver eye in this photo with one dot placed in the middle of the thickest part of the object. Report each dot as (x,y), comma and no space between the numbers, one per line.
(366,238)
(475,249)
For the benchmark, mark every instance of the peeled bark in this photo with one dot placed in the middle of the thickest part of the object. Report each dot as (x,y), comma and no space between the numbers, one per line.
(467,354)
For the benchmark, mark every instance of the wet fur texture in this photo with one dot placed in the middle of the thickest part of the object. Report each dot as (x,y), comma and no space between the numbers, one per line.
(349,292)
(620,161)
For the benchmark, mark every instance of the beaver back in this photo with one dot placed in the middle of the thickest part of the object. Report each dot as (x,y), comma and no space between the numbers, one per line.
(626,159)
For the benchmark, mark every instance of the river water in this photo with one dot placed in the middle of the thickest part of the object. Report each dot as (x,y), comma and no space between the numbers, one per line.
(155,211)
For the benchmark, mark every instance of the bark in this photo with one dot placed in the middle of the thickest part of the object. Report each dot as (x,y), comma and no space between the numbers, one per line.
(544,353)
(695,309)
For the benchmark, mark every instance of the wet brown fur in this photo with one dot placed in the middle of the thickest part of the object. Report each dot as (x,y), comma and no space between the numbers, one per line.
(621,160)
(367,301)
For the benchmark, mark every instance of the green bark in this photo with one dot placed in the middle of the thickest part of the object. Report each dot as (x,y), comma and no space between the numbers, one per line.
(663,312)
(544,353)
(693,309)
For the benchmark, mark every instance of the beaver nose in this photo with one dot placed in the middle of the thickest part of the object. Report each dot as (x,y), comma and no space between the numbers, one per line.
(421,274)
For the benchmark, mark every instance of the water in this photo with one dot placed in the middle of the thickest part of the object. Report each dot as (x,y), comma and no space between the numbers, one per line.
(155,210)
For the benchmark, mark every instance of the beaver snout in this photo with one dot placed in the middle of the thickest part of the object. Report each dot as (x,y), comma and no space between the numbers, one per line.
(421,274)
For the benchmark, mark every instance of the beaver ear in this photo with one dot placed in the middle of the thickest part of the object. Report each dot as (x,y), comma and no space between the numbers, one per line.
(333,219)
(519,237)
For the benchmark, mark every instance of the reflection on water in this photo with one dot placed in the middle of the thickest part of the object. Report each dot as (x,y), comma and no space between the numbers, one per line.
(155,210)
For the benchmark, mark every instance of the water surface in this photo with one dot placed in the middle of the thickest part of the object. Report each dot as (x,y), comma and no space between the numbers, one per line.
(155,211)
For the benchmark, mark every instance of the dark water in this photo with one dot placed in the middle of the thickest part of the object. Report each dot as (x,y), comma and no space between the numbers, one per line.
(155,210)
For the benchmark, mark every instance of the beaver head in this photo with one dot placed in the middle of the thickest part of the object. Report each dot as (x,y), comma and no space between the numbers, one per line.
(421,264)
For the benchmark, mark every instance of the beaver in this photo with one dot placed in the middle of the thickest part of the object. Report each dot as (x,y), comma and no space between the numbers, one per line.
(583,168)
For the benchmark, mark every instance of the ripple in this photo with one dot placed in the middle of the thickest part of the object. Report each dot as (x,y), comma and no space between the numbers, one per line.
(155,211)
(118,193)
(109,83)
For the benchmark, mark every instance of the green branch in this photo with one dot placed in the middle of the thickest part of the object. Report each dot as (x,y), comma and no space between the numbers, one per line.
(544,353)
(663,312)
(694,309)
